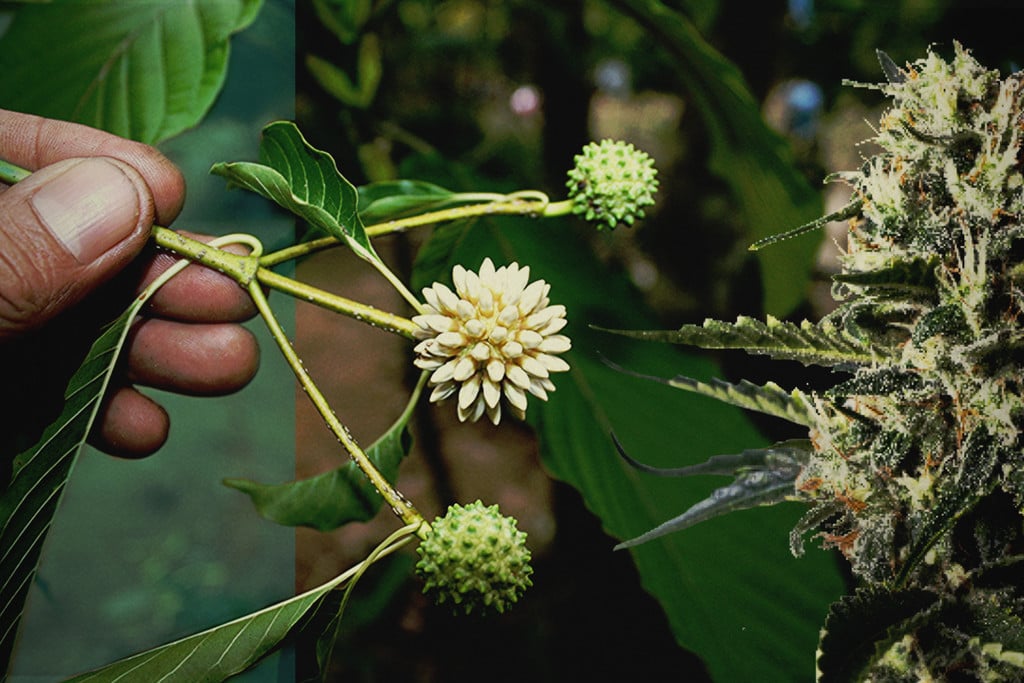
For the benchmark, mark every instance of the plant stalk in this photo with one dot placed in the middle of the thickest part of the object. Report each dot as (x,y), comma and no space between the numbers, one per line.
(401,506)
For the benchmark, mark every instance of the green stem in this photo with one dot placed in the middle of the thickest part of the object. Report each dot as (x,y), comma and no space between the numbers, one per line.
(10,174)
(562,208)
(332,302)
(399,504)
(526,203)
(241,269)
(245,270)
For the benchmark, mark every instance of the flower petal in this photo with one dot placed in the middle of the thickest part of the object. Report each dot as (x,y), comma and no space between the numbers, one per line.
(491,393)
(464,369)
(516,396)
(531,297)
(517,376)
(442,391)
(558,343)
(469,391)
(552,363)
(533,366)
(529,339)
(496,370)
(444,373)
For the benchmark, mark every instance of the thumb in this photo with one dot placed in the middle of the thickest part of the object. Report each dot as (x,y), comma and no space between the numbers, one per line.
(63,231)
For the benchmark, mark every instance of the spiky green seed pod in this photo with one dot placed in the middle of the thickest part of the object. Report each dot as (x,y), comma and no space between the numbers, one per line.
(611,183)
(475,558)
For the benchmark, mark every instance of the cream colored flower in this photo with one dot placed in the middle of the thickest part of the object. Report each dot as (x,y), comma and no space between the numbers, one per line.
(494,336)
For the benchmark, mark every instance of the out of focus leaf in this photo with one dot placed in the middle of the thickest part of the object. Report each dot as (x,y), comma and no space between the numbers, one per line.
(142,70)
(751,158)
(392,199)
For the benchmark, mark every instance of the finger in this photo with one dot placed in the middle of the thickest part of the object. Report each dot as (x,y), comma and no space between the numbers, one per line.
(130,425)
(63,231)
(34,142)
(202,360)
(197,293)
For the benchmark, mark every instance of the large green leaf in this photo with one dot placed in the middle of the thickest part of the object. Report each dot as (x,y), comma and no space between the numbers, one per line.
(745,153)
(731,590)
(29,503)
(343,495)
(143,70)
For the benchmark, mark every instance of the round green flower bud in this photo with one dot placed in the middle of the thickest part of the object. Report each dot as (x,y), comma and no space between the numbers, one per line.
(475,558)
(611,182)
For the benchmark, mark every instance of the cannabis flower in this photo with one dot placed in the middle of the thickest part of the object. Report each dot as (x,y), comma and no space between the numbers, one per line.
(494,336)
(475,558)
(611,183)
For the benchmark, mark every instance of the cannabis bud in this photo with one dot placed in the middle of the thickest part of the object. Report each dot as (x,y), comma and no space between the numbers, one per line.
(914,461)
(611,183)
(475,558)
(494,336)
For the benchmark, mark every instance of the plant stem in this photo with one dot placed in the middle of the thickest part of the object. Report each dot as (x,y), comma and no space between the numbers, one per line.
(245,269)
(399,504)
(526,203)
(10,174)
(241,269)
(332,302)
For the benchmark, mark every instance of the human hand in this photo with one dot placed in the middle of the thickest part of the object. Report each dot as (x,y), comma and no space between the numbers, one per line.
(73,252)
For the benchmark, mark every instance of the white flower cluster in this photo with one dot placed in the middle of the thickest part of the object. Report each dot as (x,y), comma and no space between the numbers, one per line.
(494,336)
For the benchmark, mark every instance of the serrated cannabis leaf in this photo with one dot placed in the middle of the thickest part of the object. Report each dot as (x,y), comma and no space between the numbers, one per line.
(818,344)
(141,70)
(860,627)
(326,501)
(770,399)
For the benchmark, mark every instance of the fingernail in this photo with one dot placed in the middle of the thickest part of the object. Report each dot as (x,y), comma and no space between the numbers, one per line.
(90,207)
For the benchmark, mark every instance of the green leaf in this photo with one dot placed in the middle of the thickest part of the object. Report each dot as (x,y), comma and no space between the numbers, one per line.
(304,180)
(142,70)
(344,18)
(393,199)
(764,476)
(751,158)
(730,588)
(822,344)
(336,82)
(229,649)
(28,505)
(343,495)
